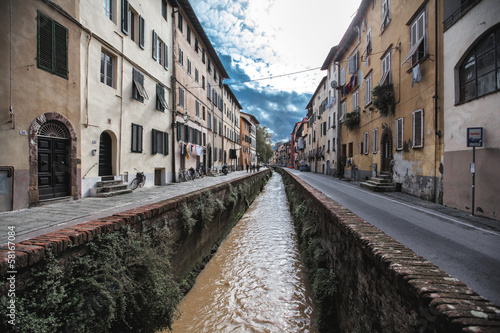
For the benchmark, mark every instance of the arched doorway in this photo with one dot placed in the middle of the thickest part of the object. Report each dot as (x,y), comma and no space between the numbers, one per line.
(105,155)
(386,151)
(54,161)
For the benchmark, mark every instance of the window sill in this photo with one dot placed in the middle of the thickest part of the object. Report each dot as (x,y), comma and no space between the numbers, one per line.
(423,59)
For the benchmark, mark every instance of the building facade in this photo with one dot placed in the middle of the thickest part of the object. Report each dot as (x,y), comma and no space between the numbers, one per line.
(126,115)
(253,138)
(317,124)
(471,99)
(390,110)
(231,117)
(40,119)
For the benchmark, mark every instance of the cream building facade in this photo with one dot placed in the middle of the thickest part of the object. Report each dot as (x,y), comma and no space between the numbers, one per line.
(231,117)
(317,124)
(471,99)
(126,72)
(40,158)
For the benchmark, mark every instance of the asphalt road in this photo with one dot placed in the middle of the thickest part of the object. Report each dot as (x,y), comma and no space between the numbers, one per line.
(463,246)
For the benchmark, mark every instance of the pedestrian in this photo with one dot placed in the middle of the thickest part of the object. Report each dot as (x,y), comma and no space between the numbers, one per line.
(248,167)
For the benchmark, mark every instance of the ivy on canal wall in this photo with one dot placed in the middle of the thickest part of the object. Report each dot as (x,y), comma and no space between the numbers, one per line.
(365,281)
(126,272)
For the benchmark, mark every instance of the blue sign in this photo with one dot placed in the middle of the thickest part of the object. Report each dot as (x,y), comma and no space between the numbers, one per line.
(475,137)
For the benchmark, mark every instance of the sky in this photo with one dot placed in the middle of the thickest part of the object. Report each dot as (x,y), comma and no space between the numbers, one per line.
(258,39)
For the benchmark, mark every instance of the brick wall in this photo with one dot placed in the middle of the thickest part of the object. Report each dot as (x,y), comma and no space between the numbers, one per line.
(72,241)
(383,286)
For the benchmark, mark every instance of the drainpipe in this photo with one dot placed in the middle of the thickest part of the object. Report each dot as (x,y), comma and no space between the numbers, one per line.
(119,166)
(89,38)
(337,126)
(11,110)
(173,81)
(437,139)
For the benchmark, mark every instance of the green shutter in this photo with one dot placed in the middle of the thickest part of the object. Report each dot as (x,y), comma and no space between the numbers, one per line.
(142,26)
(155,45)
(165,143)
(165,63)
(45,42)
(61,50)
(125,17)
(153,141)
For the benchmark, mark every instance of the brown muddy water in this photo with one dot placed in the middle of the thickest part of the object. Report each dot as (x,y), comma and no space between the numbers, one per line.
(256,281)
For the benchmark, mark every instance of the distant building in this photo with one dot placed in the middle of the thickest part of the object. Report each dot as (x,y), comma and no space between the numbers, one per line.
(253,139)
(317,123)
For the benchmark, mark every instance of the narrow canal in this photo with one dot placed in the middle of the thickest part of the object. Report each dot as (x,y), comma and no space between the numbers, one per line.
(256,281)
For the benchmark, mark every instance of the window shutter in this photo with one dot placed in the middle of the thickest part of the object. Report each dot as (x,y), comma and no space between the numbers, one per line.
(186,133)
(142,26)
(165,63)
(418,138)
(165,143)
(155,45)
(45,42)
(399,134)
(153,141)
(125,17)
(179,131)
(61,50)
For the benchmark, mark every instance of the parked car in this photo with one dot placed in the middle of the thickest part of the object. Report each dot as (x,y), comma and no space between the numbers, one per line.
(305,167)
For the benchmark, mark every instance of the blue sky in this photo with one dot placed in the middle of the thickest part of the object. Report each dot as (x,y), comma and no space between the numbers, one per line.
(263,38)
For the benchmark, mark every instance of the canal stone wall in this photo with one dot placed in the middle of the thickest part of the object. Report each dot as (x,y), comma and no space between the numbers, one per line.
(192,242)
(381,285)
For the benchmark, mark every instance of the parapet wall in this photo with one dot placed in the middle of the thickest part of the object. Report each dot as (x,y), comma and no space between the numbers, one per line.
(383,286)
(190,247)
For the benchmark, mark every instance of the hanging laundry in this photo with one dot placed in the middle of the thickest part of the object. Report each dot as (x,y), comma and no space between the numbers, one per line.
(199,150)
(183,149)
(416,76)
(187,152)
(191,149)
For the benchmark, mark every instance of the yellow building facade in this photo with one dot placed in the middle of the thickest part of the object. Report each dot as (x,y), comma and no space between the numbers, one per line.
(389,106)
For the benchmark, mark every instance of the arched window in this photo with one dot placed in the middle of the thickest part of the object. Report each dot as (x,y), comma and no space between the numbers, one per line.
(479,73)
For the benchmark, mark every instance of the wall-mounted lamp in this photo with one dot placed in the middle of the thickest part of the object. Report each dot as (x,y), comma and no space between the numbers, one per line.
(94,152)
(186,117)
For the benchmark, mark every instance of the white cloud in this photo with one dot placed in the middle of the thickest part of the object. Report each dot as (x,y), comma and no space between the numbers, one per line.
(275,37)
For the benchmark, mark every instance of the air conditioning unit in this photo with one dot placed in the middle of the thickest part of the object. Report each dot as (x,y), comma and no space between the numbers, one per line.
(333,84)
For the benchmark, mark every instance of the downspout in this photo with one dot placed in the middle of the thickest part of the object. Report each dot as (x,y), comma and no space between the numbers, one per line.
(437,139)
(337,127)
(119,152)
(89,38)
(11,110)
(173,81)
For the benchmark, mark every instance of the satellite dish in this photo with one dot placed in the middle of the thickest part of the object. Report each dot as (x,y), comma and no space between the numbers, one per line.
(333,84)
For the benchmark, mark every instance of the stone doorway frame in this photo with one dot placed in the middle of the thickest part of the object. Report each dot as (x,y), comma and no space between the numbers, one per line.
(33,155)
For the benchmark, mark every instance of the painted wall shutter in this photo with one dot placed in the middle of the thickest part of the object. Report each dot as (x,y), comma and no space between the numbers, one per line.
(165,63)
(153,141)
(125,17)
(142,26)
(165,143)
(155,45)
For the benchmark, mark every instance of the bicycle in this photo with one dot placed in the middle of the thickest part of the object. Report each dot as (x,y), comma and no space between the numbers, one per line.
(183,176)
(139,180)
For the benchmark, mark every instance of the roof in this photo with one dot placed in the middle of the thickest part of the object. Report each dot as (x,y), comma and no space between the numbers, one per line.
(252,118)
(309,105)
(191,15)
(329,57)
(350,33)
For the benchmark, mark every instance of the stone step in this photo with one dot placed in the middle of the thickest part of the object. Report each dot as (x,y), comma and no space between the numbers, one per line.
(378,187)
(381,180)
(111,188)
(109,183)
(111,194)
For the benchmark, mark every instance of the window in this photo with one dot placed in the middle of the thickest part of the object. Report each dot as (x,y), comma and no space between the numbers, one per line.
(343,110)
(355,101)
(386,69)
(342,76)
(52,50)
(368,89)
(180,21)
(136,138)
(160,50)
(189,66)
(203,81)
(203,112)
(133,24)
(350,150)
(418,32)
(125,17)
(109,11)
(164,9)
(209,67)
(159,142)
(399,133)
(375,141)
(386,14)
(209,91)
(107,69)
(181,97)
(353,63)
(479,74)
(188,33)
(365,143)
(197,105)
(196,45)
(138,91)
(209,120)
(368,49)
(418,128)
(161,102)
(196,75)
(203,55)
(181,57)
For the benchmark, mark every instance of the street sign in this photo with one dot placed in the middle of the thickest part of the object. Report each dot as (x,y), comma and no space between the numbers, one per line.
(474,136)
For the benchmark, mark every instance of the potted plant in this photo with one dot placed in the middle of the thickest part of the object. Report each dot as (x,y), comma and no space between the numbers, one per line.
(383,99)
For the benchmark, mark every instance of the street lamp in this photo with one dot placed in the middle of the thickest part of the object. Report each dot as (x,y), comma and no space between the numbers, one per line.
(186,117)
